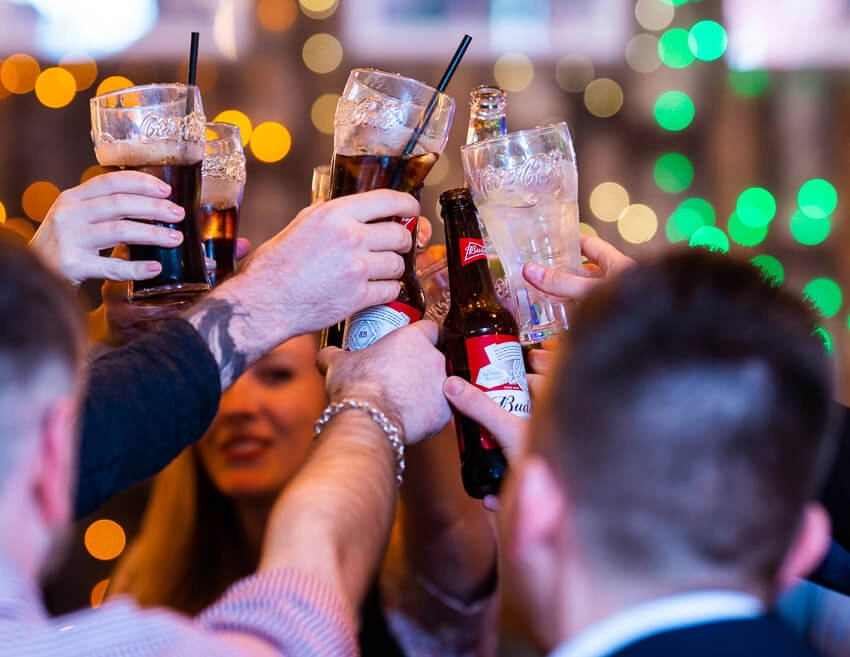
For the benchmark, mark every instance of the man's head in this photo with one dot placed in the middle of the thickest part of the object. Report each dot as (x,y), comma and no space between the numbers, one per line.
(683,433)
(42,347)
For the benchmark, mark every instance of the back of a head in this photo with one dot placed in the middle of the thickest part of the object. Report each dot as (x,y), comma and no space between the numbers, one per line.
(42,344)
(690,419)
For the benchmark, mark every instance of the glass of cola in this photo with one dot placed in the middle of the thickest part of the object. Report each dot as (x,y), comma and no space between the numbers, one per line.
(223,181)
(159,129)
(525,185)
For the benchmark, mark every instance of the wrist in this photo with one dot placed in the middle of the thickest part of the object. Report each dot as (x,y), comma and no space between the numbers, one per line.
(260,322)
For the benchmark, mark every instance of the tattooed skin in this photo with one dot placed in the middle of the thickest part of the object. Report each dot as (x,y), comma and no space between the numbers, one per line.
(221,323)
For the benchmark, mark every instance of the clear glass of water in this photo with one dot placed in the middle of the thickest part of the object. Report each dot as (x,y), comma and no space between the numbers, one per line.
(525,185)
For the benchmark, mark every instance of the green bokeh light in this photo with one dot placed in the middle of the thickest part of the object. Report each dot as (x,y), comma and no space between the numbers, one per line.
(673,172)
(756,207)
(674,49)
(672,230)
(809,230)
(674,110)
(707,40)
(749,83)
(824,335)
(692,214)
(711,238)
(674,3)
(771,269)
(825,294)
(743,234)
(817,198)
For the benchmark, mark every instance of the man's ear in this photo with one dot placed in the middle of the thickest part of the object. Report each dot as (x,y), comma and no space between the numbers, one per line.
(539,512)
(808,548)
(55,480)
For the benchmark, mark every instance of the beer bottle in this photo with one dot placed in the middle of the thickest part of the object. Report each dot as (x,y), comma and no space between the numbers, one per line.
(486,113)
(481,342)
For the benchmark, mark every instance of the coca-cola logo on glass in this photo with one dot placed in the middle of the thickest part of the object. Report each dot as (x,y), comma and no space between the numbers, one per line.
(471,250)
(540,174)
(370,112)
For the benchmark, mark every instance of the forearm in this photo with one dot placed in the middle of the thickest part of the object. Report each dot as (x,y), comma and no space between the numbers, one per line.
(449,539)
(334,518)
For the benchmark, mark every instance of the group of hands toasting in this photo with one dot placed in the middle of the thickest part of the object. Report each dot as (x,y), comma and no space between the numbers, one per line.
(329,262)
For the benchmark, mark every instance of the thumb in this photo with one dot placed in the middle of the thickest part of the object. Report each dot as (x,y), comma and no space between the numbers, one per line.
(326,357)
(558,283)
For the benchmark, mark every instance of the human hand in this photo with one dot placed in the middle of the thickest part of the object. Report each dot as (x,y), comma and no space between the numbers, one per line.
(605,260)
(93,216)
(401,374)
(327,264)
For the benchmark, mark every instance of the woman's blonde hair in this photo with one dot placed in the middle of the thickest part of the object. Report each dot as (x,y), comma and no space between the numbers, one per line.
(191,546)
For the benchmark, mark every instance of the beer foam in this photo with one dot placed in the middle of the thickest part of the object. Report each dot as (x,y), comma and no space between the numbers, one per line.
(220,193)
(127,153)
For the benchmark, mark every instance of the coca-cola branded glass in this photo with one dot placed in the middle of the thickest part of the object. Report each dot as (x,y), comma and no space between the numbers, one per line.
(375,120)
(525,185)
(433,272)
(223,182)
(159,129)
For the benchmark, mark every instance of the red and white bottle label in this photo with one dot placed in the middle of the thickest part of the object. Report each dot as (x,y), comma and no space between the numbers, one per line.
(409,222)
(471,250)
(371,324)
(497,368)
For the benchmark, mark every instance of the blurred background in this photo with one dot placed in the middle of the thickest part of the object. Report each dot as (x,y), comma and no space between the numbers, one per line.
(714,123)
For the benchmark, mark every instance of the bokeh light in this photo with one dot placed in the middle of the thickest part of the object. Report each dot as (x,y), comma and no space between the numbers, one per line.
(707,40)
(105,539)
(239,119)
(744,234)
(817,198)
(826,296)
(771,269)
(756,207)
(318,9)
(672,230)
(91,172)
(674,110)
(82,67)
(673,48)
(674,3)
(513,71)
(673,172)
(749,83)
(693,214)
(2,213)
(19,73)
(38,198)
(270,142)
(587,229)
(574,72)
(322,53)
(711,238)
(608,200)
(322,113)
(113,83)
(638,224)
(642,53)
(603,98)
(654,14)
(98,593)
(809,231)
(22,227)
(824,335)
(55,87)
(276,15)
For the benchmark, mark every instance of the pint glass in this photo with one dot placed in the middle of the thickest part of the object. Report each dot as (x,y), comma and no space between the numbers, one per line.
(222,184)
(159,129)
(525,185)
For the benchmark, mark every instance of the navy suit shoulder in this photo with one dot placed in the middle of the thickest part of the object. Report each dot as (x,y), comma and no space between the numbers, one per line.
(766,636)
(145,403)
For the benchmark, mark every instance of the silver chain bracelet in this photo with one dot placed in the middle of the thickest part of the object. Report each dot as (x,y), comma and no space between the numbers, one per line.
(379,417)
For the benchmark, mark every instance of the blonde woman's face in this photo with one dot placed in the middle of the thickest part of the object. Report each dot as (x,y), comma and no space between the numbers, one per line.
(263,432)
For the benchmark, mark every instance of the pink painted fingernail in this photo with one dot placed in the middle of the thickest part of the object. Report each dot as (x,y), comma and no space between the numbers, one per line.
(152,266)
(164,188)
(175,235)
(177,211)
(533,272)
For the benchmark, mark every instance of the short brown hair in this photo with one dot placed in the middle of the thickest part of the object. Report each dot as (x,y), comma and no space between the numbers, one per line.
(689,419)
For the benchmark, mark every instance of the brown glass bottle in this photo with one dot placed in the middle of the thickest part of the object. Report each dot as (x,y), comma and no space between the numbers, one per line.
(481,343)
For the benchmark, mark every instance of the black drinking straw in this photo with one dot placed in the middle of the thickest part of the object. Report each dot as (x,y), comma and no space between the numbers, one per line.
(193,58)
(441,87)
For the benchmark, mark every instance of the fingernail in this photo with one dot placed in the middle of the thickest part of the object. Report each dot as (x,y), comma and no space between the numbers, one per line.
(453,386)
(152,267)
(175,236)
(177,211)
(533,272)
(164,188)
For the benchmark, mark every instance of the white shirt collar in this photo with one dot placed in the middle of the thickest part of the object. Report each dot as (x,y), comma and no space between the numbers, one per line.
(655,616)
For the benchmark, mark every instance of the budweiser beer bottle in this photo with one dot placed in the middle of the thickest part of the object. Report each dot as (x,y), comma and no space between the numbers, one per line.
(486,113)
(481,341)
